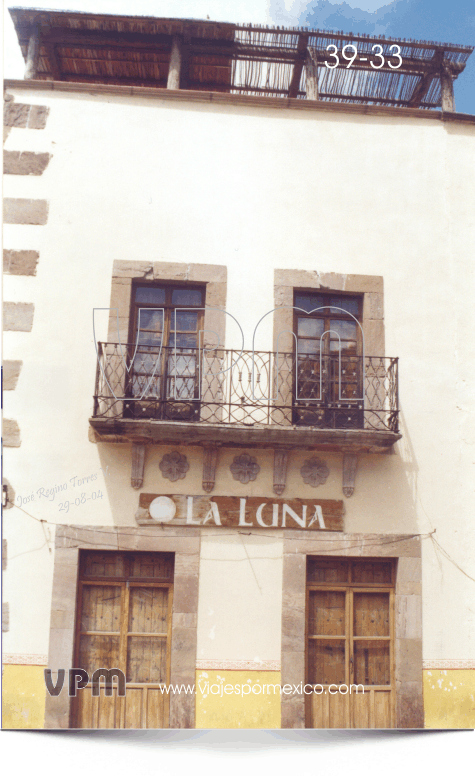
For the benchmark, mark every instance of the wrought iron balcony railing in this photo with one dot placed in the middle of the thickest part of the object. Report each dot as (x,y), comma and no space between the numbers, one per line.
(218,386)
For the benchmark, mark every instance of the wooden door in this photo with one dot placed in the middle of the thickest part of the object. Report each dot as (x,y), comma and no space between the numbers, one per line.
(124,621)
(350,643)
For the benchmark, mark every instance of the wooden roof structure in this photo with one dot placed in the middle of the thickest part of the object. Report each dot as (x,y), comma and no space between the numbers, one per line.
(237,59)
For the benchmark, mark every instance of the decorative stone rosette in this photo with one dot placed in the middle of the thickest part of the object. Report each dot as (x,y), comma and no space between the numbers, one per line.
(314,472)
(245,468)
(174,466)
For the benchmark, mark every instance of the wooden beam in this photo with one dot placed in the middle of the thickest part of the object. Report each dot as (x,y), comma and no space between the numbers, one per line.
(185,59)
(78,78)
(447,90)
(298,66)
(423,86)
(421,90)
(54,62)
(174,68)
(33,54)
(65,36)
(312,75)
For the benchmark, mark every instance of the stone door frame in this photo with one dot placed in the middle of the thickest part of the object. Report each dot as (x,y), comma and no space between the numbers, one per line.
(408,614)
(185,544)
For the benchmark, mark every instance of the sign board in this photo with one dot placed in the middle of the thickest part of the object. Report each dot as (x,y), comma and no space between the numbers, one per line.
(241,512)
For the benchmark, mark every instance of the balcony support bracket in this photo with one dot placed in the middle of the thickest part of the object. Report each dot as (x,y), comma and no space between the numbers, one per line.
(350,461)
(210,462)
(138,465)
(281,459)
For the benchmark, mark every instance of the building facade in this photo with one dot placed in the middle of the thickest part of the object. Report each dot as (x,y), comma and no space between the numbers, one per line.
(237,371)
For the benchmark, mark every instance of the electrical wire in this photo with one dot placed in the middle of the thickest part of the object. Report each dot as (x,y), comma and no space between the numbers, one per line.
(356,542)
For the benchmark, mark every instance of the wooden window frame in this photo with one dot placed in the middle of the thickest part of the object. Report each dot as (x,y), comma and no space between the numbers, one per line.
(169,287)
(329,408)
(185,407)
(370,288)
(340,316)
(126,274)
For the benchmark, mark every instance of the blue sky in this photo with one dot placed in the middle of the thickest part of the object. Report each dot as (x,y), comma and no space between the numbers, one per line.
(450,21)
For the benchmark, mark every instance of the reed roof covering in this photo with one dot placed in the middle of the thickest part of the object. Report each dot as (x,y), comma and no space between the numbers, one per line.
(233,58)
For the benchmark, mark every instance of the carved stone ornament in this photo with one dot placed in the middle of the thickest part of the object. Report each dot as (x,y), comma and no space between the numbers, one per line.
(174,466)
(210,462)
(314,472)
(281,458)
(350,463)
(245,468)
(138,465)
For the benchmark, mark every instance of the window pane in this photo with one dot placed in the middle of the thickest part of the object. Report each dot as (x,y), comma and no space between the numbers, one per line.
(310,327)
(372,663)
(349,304)
(148,610)
(346,329)
(146,660)
(345,347)
(147,363)
(308,346)
(149,338)
(184,321)
(371,614)
(100,608)
(150,319)
(182,364)
(187,297)
(326,613)
(150,295)
(183,341)
(181,388)
(326,661)
(308,301)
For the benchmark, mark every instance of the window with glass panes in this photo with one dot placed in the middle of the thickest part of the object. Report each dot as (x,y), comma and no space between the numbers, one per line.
(329,349)
(164,340)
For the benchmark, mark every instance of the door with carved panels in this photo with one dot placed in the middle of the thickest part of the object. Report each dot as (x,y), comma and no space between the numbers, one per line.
(350,642)
(124,621)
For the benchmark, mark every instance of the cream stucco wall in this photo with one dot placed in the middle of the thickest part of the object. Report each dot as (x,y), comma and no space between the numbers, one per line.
(255,189)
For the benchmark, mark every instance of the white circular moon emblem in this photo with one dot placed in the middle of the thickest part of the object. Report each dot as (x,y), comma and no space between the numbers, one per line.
(162,509)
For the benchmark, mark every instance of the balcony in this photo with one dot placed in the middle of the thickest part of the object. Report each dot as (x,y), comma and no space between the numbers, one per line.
(215,397)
